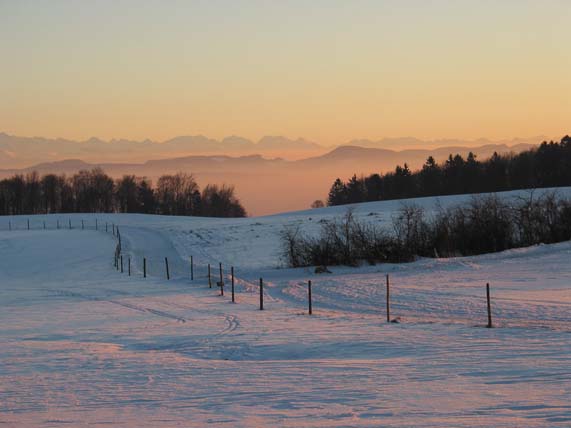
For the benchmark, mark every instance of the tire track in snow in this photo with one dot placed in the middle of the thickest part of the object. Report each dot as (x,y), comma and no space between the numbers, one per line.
(127,305)
(215,343)
(231,321)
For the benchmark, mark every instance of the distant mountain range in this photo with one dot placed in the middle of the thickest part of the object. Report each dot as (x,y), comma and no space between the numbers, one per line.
(21,152)
(267,185)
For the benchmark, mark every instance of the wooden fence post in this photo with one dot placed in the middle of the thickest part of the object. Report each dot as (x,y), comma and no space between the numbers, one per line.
(129,265)
(113,229)
(309,297)
(167,267)
(82,226)
(489,306)
(191,269)
(232,274)
(28,224)
(106,230)
(44,225)
(209,279)
(261,294)
(144,267)
(96,226)
(57,223)
(388,300)
(69,224)
(221,280)
(121,263)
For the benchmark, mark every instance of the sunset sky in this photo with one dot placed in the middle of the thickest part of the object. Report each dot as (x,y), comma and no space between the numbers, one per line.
(329,71)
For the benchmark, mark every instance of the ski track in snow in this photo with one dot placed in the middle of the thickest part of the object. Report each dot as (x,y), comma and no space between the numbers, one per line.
(83,345)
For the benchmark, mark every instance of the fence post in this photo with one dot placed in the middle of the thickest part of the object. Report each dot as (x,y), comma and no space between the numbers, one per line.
(69,224)
(82,226)
(106,227)
(28,224)
(232,274)
(191,269)
(309,297)
(261,294)
(221,280)
(113,229)
(9,225)
(129,265)
(209,279)
(144,267)
(44,225)
(489,306)
(121,263)
(96,227)
(388,300)
(167,267)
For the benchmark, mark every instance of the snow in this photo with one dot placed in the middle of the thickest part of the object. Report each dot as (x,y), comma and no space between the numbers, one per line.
(82,344)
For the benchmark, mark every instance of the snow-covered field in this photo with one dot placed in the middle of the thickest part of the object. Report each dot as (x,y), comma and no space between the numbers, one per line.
(82,344)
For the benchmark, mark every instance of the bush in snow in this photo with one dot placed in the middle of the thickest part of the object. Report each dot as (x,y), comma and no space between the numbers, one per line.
(342,241)
(485,225)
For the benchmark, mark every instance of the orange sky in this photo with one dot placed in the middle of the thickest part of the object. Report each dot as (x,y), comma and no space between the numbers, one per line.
(329,71)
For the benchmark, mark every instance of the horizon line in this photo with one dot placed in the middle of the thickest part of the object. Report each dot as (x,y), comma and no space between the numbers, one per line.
(540,138)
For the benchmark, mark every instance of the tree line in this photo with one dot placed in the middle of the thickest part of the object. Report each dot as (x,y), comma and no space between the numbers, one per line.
(92,191)
(548,165)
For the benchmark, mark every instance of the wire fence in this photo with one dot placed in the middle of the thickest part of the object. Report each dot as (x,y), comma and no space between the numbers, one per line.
(225,283)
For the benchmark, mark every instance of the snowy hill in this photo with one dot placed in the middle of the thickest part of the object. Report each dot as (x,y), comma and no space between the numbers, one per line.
(251,243)
(84,344)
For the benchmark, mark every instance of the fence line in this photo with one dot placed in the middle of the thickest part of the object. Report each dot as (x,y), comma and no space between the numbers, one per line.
(118,264)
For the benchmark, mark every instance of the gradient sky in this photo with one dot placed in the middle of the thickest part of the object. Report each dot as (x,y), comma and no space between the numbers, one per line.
(329,71)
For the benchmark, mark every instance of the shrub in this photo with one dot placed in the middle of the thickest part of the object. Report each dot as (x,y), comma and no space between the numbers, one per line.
(485,225)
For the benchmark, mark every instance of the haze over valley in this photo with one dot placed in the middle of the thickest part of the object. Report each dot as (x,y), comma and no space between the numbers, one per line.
(264,172)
